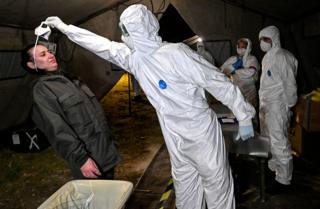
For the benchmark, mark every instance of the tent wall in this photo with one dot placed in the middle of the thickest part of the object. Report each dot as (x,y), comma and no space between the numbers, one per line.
(96,72)
(224,21)
(12,39)
(227,21)
(210,19)
(306,33)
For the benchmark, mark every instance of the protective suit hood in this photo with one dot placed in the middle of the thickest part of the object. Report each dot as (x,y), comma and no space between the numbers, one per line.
(200,46)
(142,27)
(273,33)
(248,49)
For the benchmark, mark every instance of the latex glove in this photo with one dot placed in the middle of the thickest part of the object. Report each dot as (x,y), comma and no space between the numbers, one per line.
(57,23)
(89,169)
(237,65)
(245,132)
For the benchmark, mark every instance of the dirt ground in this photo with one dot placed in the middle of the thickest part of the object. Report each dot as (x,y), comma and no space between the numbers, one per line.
(28,179)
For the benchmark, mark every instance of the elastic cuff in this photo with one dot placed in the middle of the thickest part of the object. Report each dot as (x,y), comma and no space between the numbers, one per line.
(247,122)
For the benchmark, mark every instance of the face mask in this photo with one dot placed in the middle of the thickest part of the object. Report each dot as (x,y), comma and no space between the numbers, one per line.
(265,46)
(241,51)
(128,41)
(43,30)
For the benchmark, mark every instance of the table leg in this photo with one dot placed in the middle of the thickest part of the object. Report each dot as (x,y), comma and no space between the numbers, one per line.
(262,164)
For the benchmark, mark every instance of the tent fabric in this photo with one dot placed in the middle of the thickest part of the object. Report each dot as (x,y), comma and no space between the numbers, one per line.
(228,21)
(9,65)
(16,101)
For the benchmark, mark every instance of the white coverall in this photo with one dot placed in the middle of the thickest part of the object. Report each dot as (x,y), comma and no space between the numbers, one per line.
(203,52)
(174,78)
(277,93)
(246,77)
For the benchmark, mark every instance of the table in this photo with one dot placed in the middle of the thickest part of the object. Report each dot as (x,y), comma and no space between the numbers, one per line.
(257,147)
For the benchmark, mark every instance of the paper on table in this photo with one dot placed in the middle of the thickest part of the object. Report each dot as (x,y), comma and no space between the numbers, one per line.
(225,115)
(227,120)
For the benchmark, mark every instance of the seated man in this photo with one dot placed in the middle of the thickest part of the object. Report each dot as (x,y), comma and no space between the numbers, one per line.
(70,116)
(243,69)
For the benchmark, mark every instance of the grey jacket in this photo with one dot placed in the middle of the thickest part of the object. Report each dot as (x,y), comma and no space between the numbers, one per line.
(73,121)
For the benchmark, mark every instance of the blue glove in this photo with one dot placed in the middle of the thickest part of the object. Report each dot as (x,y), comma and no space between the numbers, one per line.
(237,65)
(245,132)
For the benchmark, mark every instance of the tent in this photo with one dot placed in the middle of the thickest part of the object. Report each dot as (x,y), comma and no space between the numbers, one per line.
(213,20)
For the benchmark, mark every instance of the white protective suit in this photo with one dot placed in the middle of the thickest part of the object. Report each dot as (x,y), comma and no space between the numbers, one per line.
(246,77)
(203,52)
(278,92)
(174,77)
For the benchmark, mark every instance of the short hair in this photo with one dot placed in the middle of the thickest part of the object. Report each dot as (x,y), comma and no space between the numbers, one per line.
(26,57)
(242,40)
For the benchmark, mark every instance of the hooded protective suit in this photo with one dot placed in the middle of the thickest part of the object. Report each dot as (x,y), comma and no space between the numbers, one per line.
(278,92)
(203,52)
(174,78)
(247,76)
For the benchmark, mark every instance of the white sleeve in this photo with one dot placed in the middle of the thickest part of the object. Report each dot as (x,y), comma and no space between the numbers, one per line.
(216,83)
(227,67)
(117,53)
(250,70)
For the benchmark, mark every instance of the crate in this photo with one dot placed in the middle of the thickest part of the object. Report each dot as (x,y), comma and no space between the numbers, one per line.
(296,141)
(307,114)
(305,143)
(100,194)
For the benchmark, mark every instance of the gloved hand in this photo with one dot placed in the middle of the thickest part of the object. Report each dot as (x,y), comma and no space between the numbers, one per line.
(237,65)
(245,131)
(56,22)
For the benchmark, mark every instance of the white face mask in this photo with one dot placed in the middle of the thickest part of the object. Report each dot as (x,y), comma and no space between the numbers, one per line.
(241,51)
(43,30)
(128,41)
(265,46)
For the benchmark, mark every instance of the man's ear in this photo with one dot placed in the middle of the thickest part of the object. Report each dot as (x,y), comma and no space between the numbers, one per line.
(31,65)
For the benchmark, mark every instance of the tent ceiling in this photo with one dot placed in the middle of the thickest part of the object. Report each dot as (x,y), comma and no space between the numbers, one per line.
(27,14)
(284,10)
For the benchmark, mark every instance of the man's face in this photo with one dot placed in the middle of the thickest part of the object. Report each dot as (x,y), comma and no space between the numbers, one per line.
(200,47)
(242,44)
(44,59)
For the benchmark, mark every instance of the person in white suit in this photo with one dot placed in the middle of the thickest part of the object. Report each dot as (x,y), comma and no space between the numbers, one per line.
(243,69)
(174,78)
(201,49)
(277,94)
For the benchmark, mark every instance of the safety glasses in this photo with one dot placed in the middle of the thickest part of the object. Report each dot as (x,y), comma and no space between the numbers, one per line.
(265,39)
(123,29)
